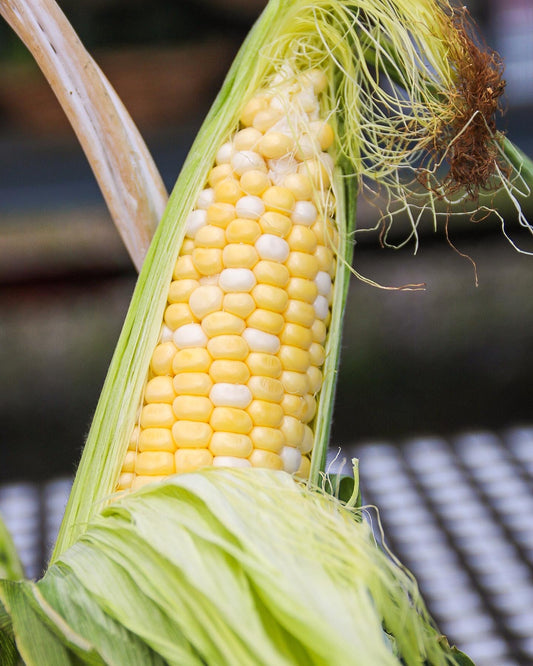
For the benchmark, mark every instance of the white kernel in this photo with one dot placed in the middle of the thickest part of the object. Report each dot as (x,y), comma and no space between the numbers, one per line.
(279,168)
(250,207)
(291,458)
(224,153)
(272,248)
(189,335)
(323,282)
(307,100)
(205,198)
(166,334)
(304,212)
(230,461)
(195,220)
(245,160)
(307,147)
(230,395)
(259,341)
(321,307)
(209,279)
(237,279)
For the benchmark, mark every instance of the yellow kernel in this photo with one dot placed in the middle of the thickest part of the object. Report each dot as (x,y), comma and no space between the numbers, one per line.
(265,459)
(300,185)
(315,379)
(270,298)
(206,299)
(222,323)
(227,190)
(294,405)
(271,272)
(295,383)
(317,354)
(162,357)
(178,314)
(254,182)
(230,444)
(274,145)
(294,358)
(266,320)
(296,335)
(239,255)
(293,429)
(279,199)
(192,407)
(185,269)
(267,439)
(324,256)
(159,389)
(157,415)
(220,214)
(241,230)
(323,132)
(239,304)
(298,312)
(189,460)
(143,480)
(263,364)
(317,78)
(307,147)
(219,173)
(246,139)
(302,265)
(265,413)
(266,388)
(232,347)
(191,434)
(302,289)
(231,419)
(156,439)
(150,463)
(275,223)
(310,408)
(187,247)
(231,372)
(316,171)
(265,118)
(308,440)
(192,383)
(319,331)
(325,232)
(252,107)
(129,462)
(134,438)
(125,481)
(302,239)
(207,261)
(210,236)
(192,359)
(180,290)
(305,469)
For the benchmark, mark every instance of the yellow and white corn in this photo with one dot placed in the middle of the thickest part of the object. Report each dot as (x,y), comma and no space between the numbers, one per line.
(234,378)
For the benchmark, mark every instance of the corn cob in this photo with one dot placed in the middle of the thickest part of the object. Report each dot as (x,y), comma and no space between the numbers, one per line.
(234,377)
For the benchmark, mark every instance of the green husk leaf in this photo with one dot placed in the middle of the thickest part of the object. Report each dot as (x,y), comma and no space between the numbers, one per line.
(10,564)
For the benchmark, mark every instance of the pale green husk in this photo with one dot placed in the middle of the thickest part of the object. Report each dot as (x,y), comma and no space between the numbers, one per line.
(225,567)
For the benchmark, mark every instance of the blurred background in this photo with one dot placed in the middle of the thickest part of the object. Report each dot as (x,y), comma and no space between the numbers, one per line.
(451,359)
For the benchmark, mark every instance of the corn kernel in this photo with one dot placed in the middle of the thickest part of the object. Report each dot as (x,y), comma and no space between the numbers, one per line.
(230,461)
(230,444)
(267,321)
(219,173)
(211,236)
(291,458)
(207,261)
(191,434)
(162,357)
(317,354)
(319,331)
(140,481)
(300,185)
(254,182)
(265,413)
(242,230)
(196,219)
(260,341)
(231,419)
(194,359)
(267,439)
(125,481)
(274,145)
(269,297)
(129,462)
(302,265)
(279,199)
(315,379)
(296,335)
(192,383)
(264,364)
(294,405)
(271,272)
(230,395)
(157,415)
(295,383)
(187,247)
(239,304)
(180,290)
(185,269)
(304,469)
(310,408)
(294,358)
(252,107)
(189,460)
(159,389)
(272,248)
(239,255)
(293,429)
(227,190)
(247,160)
(134,439)
(304,214)
(265,459)
(266,388)
(323,132)
(205,299)
(228,347)
(302,289)
(150,463)
(232,372)
(246,139)
(306,445)
(265,118)
(178,314)
(237,279)
(317,172)
(192,407)
(325,232)
(298,312)
(275,223)
(189,335)
(156,439)
(249,207)
(223,155)
(221,214)
(307,147)
(222,323)
(302,239)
